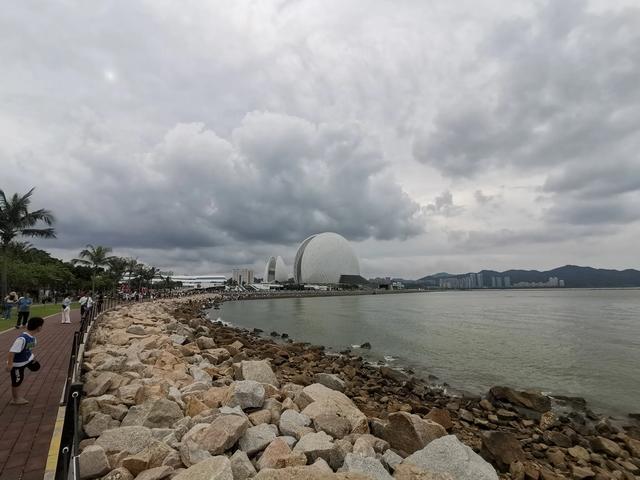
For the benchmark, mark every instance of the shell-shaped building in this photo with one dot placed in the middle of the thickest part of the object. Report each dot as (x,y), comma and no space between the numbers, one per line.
(324,258)
(276,270)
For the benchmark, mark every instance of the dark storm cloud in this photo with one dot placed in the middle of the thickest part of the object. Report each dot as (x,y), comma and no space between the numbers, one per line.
(276,180)
(562,96)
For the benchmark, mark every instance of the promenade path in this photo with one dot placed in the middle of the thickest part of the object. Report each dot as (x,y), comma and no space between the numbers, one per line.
(25,431)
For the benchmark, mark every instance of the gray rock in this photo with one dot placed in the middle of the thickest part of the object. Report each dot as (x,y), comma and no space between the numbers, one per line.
(293,423)
(334,425)
(317,445)
(125,439)
(391,460)
(241,466)
(191,452)
(317,400)
(334,382)
(93,462)
(322,465)
(257,438)
(245,394)
(257,370)
(199,375)
(289,440)
(99,423)
(215,468)
(448,455)
(178,339)
(136,330)
(368,466)
(160,413)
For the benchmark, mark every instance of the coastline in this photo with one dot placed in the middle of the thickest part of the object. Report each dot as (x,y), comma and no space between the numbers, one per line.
(517,432)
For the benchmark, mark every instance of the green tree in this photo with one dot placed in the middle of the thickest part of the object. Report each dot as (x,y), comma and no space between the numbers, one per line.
(17,221)
(95,257)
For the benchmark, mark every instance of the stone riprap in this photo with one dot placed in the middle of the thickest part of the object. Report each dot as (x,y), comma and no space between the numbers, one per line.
(171,395)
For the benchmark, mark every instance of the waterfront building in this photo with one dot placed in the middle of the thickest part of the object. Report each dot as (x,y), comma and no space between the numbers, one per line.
(276,270)
(479,280)
(498,282)
(324,259)
(507,282)
(200,281)
(242,276)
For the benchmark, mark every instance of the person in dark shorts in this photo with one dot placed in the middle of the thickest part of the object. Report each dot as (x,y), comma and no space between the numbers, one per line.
(21,356)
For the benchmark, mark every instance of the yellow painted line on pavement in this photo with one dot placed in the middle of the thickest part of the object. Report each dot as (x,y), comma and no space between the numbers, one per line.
(54,446)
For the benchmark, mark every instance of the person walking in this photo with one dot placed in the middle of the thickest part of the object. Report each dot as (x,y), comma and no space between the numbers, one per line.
(9,301)
(88,306)
(83,305)
(66,309)
(24,309)
(21,356)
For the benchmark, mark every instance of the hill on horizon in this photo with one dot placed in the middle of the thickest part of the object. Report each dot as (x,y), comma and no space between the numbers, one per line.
(574,276)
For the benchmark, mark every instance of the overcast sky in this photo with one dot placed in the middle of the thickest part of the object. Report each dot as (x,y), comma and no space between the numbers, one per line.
(435,135)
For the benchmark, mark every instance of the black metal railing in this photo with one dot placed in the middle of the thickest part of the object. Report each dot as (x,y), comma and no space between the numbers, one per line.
(67,467)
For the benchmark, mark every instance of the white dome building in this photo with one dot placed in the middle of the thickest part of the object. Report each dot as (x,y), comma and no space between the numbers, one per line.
(276,270)
(324,258)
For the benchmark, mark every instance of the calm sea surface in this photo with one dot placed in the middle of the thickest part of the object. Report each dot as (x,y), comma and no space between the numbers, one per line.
(572,342)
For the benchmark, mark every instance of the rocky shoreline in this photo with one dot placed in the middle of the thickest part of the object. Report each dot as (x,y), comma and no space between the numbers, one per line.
(169,394)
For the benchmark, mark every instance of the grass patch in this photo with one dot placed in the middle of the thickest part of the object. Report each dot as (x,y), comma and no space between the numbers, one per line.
(36,311)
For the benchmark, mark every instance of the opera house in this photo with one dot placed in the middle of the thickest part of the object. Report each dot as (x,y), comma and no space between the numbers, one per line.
(326,258)
(276,270)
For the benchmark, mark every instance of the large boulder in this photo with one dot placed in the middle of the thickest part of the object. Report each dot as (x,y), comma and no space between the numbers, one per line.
(245,394)
(257,438)
(334,425)
(529,398)
(159,413)
(407,471)
(99,423)
(408,432)
(191,452)
(215,468)
(448,455)
(93,462)
(604,445)
(502,448)
(318,400)
(156,473)
(368,466)
(257,370)
(125,439)
(222,434)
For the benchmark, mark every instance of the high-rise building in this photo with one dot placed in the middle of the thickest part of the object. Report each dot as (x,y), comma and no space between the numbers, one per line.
(498,282)
(507,282)
(493,282)
(242,276)
(479,280)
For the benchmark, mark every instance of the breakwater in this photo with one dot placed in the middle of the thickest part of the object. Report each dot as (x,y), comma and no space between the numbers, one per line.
(170,394)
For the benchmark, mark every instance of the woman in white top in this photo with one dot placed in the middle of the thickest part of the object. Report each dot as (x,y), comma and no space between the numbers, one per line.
(66,308)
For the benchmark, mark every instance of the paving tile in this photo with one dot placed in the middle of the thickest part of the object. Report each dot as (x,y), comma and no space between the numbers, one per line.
(27,430)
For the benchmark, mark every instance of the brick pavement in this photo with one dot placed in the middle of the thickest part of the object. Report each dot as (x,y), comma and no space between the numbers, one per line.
(26,430)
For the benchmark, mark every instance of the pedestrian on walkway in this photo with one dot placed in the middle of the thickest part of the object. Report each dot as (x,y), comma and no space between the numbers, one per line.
(24,309)
(66,309)
(88,306)
(83,305)
(21,356)
(9,301)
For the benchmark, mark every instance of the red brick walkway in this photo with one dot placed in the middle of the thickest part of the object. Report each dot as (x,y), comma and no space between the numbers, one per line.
(26,430)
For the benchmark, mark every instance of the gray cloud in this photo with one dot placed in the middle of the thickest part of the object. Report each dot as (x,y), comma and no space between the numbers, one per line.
(542,108)
(210,135)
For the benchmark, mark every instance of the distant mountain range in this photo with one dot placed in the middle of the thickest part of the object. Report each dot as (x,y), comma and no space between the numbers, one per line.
(573,276)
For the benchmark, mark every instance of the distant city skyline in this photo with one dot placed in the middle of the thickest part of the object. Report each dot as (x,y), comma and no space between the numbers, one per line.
(434,136)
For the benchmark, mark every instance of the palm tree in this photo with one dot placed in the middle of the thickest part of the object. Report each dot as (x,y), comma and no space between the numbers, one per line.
(117,268)
(94,257)
(16,220)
